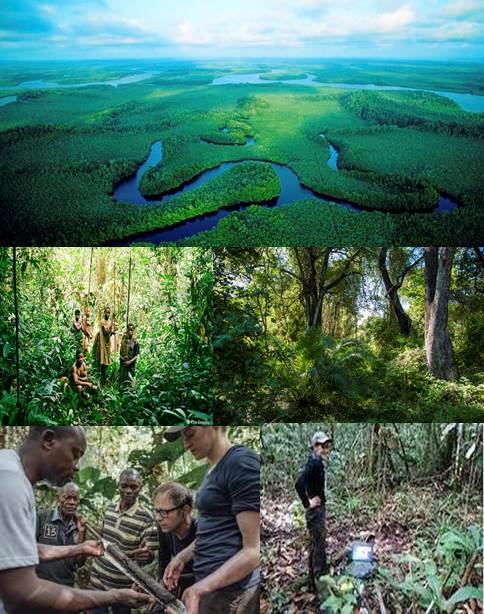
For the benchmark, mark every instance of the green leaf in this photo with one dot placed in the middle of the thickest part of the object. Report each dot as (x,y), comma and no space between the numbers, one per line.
(194,477)
(89,474)
(464,594)
(436,587)
(6,349)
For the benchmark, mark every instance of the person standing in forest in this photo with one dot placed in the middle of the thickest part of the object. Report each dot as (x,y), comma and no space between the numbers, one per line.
(77,328)
(226,549)
(86,330)
(177,528)
(101,349)
(128,355)
(310,487)
(48,454)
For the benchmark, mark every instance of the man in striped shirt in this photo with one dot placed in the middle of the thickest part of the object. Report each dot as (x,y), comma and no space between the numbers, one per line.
(129,526)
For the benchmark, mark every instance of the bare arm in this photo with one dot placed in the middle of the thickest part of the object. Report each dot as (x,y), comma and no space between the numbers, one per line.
(175,567)
(55,553)
(22,591)
(236,568)
(131,360)
(77,380)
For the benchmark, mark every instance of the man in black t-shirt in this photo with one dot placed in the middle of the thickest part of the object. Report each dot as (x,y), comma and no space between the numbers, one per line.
(310,487)
(226,550)
(173,504)
(61,527)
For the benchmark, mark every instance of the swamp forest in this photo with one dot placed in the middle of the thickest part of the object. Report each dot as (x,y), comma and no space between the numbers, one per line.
(105,336)
(246,153)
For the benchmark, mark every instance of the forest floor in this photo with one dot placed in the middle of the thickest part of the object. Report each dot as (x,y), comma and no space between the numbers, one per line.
(402,520)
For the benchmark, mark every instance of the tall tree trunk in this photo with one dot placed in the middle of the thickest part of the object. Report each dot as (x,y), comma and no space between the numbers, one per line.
(438,346)
(404,321)
(17,341)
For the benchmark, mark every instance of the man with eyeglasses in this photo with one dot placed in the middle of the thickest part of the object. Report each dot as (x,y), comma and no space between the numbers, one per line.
(226,550)
(173,504)
(129,526)
(310,487)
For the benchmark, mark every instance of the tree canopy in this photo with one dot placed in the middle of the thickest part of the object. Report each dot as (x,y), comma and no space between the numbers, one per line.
(348,333)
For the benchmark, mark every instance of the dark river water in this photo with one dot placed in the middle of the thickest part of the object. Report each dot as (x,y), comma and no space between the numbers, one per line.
(291,190)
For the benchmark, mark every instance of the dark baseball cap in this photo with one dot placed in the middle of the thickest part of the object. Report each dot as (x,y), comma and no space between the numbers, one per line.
(173,433)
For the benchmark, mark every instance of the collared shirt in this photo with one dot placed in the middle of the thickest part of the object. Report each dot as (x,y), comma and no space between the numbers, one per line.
(126,530)
(311,480)
(53,530)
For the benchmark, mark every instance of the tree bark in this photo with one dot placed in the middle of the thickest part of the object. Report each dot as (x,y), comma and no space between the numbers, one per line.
(313,270)
(404,321)
(438,346)
(17,342)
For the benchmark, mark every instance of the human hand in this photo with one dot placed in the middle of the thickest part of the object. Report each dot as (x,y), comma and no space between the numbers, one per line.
(314,502)
(172,572)
(92,548)
(142,554)
(191,597)
(130,598)
(152,602)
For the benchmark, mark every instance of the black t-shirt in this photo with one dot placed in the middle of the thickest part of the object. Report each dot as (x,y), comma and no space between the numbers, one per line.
(53,531)
(170,545)
(311,480)
(231,487)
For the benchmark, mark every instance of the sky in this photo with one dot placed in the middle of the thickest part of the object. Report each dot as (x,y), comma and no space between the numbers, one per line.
(222,29)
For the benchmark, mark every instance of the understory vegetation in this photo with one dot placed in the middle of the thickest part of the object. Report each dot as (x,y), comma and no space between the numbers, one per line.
(167,292)
(413,491)
(66,149)
(349,334)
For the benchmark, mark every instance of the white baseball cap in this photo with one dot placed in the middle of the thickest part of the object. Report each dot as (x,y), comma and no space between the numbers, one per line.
(320,437)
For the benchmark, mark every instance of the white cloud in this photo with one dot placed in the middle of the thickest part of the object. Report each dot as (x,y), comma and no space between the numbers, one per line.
(396,20)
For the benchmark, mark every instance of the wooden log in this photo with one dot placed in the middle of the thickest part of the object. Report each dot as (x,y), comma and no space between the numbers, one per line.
(139,576)
(145,581)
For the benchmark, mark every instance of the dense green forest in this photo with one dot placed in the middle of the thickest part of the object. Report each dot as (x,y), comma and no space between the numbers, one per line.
(165,293)
(349,334)
(65,150)
(413,491)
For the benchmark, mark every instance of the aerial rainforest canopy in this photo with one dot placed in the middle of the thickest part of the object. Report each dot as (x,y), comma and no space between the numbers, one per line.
(105,335)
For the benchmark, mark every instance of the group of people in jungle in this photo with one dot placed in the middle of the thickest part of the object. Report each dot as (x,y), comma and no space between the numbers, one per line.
(208,559)
(102,346)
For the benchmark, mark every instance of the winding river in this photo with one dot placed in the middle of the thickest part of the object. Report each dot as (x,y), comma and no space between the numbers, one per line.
(469,102)
(291,190)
